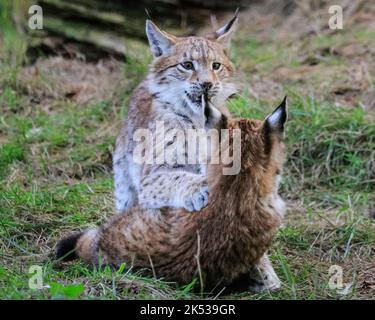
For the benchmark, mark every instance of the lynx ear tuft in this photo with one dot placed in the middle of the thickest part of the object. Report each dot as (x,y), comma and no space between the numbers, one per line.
(225,33)
(160,41)
(276,120)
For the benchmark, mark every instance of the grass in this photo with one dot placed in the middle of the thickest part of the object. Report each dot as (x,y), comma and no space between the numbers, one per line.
(56,176)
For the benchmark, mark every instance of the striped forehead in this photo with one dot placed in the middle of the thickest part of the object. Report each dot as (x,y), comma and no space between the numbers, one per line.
(198,49)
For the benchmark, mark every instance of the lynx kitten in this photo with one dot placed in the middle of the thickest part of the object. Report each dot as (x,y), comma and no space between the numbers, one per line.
(186,88)
(223,245)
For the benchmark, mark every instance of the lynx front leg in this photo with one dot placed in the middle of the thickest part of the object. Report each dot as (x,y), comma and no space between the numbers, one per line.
(263,277)
(125,193)
(178,189)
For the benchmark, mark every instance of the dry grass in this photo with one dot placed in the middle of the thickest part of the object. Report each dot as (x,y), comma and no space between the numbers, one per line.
(59,119)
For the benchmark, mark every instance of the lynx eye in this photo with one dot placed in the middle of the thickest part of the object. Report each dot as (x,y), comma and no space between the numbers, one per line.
(216,65)
(188,65)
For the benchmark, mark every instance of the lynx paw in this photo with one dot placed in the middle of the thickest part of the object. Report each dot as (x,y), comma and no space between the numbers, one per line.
(268,281)
(196,201)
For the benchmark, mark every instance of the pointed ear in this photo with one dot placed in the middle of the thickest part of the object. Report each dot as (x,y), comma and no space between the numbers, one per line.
(224,34)
(274,123)
(160,41)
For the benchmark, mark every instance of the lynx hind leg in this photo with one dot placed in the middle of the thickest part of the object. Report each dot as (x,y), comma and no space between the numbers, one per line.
(125,193)
(263,277)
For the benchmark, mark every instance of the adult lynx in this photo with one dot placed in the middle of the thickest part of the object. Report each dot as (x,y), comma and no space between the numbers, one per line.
(186,88)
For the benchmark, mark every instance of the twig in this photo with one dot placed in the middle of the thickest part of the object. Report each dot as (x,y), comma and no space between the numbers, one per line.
(198,262)
(152,265)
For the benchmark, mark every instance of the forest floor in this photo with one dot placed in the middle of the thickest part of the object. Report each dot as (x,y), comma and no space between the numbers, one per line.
(59,118)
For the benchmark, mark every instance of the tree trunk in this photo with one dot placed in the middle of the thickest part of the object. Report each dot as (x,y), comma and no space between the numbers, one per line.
(111,25)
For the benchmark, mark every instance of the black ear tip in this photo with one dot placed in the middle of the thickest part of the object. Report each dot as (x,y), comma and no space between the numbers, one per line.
(147,14)
(233,20)
(279,116)
(284,103)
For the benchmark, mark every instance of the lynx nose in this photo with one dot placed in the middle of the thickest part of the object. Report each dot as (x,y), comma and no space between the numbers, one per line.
(206,86)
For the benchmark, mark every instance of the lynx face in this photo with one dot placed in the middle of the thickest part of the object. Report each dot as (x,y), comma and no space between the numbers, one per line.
(191,70)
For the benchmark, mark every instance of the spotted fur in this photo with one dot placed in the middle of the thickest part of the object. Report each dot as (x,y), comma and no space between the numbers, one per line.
(182,99)
(223,244)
